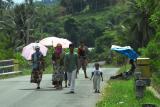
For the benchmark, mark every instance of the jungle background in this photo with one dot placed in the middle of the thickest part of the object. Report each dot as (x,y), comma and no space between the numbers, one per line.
(99,23)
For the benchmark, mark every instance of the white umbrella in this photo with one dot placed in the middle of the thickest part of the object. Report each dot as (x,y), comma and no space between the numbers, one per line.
(30,49)
(65,43)
(53,41)
(50,41)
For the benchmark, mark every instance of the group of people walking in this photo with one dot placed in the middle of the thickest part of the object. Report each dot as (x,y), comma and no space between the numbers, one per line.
(66,67)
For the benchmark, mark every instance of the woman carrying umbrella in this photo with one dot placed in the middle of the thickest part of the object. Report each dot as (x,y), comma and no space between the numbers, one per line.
(37,67)
(58,66)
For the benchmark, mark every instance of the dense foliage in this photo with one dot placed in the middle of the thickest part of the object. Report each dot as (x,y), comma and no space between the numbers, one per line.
(100,23)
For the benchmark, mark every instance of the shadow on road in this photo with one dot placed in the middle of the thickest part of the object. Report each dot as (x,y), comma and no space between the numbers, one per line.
(43,89)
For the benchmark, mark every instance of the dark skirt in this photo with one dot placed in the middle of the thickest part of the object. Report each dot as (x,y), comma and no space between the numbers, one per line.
(36,76)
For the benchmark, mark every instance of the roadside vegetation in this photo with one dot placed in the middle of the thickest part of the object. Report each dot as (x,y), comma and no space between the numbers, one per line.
(121,93)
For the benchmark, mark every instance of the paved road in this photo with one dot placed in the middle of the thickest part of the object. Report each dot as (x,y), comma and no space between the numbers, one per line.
(18,92)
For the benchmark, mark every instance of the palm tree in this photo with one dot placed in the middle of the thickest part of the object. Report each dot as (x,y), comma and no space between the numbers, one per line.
(5,5)
(138,23)
(29,11)
(17,24)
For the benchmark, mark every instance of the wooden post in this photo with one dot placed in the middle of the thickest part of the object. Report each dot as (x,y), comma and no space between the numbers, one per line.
(16,65)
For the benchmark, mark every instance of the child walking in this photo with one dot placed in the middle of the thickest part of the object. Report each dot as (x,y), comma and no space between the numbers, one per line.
(97,76)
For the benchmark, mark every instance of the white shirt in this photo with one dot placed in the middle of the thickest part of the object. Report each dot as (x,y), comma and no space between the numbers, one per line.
(96,72)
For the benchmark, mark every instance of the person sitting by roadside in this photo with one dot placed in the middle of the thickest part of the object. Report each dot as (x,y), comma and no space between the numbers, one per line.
(126,75)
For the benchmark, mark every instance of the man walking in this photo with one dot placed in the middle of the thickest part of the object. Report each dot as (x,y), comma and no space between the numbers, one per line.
(82,57)
(71,67)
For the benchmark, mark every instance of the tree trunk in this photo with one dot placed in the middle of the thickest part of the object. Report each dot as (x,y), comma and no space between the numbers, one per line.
(27,33)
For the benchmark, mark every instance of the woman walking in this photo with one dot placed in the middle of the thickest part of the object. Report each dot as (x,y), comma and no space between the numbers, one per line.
(58,67)
(37,67)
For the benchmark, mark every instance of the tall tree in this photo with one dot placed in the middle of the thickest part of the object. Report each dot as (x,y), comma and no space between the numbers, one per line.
(71,28)
(29,10)
(100,4)
(73,6)
(140,29)
(5,5)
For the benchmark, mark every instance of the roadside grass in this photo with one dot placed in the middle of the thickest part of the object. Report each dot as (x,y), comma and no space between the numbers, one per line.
(121,93)
(108,66)
(124,68)
(156,81)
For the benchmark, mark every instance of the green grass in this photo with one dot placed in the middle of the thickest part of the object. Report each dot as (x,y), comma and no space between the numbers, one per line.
(108,66)
(156,81)
(121,93)
(124,68)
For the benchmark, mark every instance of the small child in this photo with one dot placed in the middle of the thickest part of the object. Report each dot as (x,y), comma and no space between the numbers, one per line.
(97,75)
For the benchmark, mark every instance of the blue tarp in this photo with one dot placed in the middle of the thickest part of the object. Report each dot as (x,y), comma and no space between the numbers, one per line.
(127,51)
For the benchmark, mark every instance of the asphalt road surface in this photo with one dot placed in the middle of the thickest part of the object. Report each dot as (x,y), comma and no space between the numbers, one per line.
(19,92)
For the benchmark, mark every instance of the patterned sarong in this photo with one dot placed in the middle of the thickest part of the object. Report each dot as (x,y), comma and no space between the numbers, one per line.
(36,76)
(58,75)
